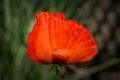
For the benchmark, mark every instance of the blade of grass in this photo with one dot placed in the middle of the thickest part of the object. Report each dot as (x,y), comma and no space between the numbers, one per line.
(52,5)
(71,8)
(97,68)
(60,4)
(7,11)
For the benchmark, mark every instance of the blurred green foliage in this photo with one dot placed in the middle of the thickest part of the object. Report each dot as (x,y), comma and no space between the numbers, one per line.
(17,18)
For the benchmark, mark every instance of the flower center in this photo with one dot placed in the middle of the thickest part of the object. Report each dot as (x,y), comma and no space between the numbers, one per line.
(59,56)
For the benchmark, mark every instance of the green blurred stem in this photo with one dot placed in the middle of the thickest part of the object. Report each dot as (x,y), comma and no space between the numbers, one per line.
(57,69)
(7,11)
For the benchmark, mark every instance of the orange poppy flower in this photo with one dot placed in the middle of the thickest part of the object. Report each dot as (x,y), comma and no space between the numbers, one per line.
(55,40)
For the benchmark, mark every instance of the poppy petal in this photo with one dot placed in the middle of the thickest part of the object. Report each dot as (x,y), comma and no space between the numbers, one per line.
(31,54)
(41,43)
(59,41)
(58,34)
(44,16)
(31,50)
(81,43)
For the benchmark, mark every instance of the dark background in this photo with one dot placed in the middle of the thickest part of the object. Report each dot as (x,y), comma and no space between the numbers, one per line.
(101,18)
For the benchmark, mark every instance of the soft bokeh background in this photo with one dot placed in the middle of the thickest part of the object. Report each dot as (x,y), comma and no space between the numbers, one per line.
(101,18)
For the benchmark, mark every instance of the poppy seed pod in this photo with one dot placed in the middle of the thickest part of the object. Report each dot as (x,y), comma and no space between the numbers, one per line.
(55,40)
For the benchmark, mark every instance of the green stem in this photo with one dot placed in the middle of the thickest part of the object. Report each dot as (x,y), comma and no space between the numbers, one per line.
(57,69)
